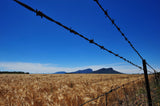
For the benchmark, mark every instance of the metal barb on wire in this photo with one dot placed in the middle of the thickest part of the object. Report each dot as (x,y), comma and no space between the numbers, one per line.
(39,13)
(118,28)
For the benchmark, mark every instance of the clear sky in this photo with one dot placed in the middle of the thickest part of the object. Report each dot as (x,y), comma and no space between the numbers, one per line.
(29,43)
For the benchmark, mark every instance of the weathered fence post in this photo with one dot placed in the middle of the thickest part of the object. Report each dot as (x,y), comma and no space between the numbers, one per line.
(147,83)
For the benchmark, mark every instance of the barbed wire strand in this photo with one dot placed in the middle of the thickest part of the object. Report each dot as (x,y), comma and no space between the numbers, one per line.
(118,28)
(112,90)
(39,13)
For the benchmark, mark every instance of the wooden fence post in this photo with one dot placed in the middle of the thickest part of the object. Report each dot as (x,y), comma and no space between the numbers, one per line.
(147,83)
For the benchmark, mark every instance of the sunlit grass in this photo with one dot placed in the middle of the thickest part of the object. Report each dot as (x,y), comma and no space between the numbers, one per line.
(60,90)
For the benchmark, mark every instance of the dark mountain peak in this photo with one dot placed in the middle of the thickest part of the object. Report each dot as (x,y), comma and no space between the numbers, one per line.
(106,71)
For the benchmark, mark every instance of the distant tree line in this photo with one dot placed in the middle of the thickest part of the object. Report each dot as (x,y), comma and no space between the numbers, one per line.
(13,72)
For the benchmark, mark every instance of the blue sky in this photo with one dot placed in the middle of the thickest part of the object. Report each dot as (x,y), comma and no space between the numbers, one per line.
(29,43)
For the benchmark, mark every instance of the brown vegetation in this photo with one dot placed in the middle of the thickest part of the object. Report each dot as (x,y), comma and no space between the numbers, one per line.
(62,89)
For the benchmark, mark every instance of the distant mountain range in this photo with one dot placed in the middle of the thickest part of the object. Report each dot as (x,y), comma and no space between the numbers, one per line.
(90,71)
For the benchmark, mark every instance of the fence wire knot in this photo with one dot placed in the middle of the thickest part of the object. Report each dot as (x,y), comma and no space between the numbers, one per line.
(39,13)
(91,41)
(112,21)
(106,13)
(102,47)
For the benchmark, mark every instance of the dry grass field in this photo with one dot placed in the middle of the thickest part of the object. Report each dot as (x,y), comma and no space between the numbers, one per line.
(58,89)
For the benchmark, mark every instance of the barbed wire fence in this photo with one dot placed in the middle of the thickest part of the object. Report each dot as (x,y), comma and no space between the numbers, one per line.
(42,15)
(110,91)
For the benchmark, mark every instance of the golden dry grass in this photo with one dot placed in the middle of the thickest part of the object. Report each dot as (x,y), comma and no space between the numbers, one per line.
(58,90)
